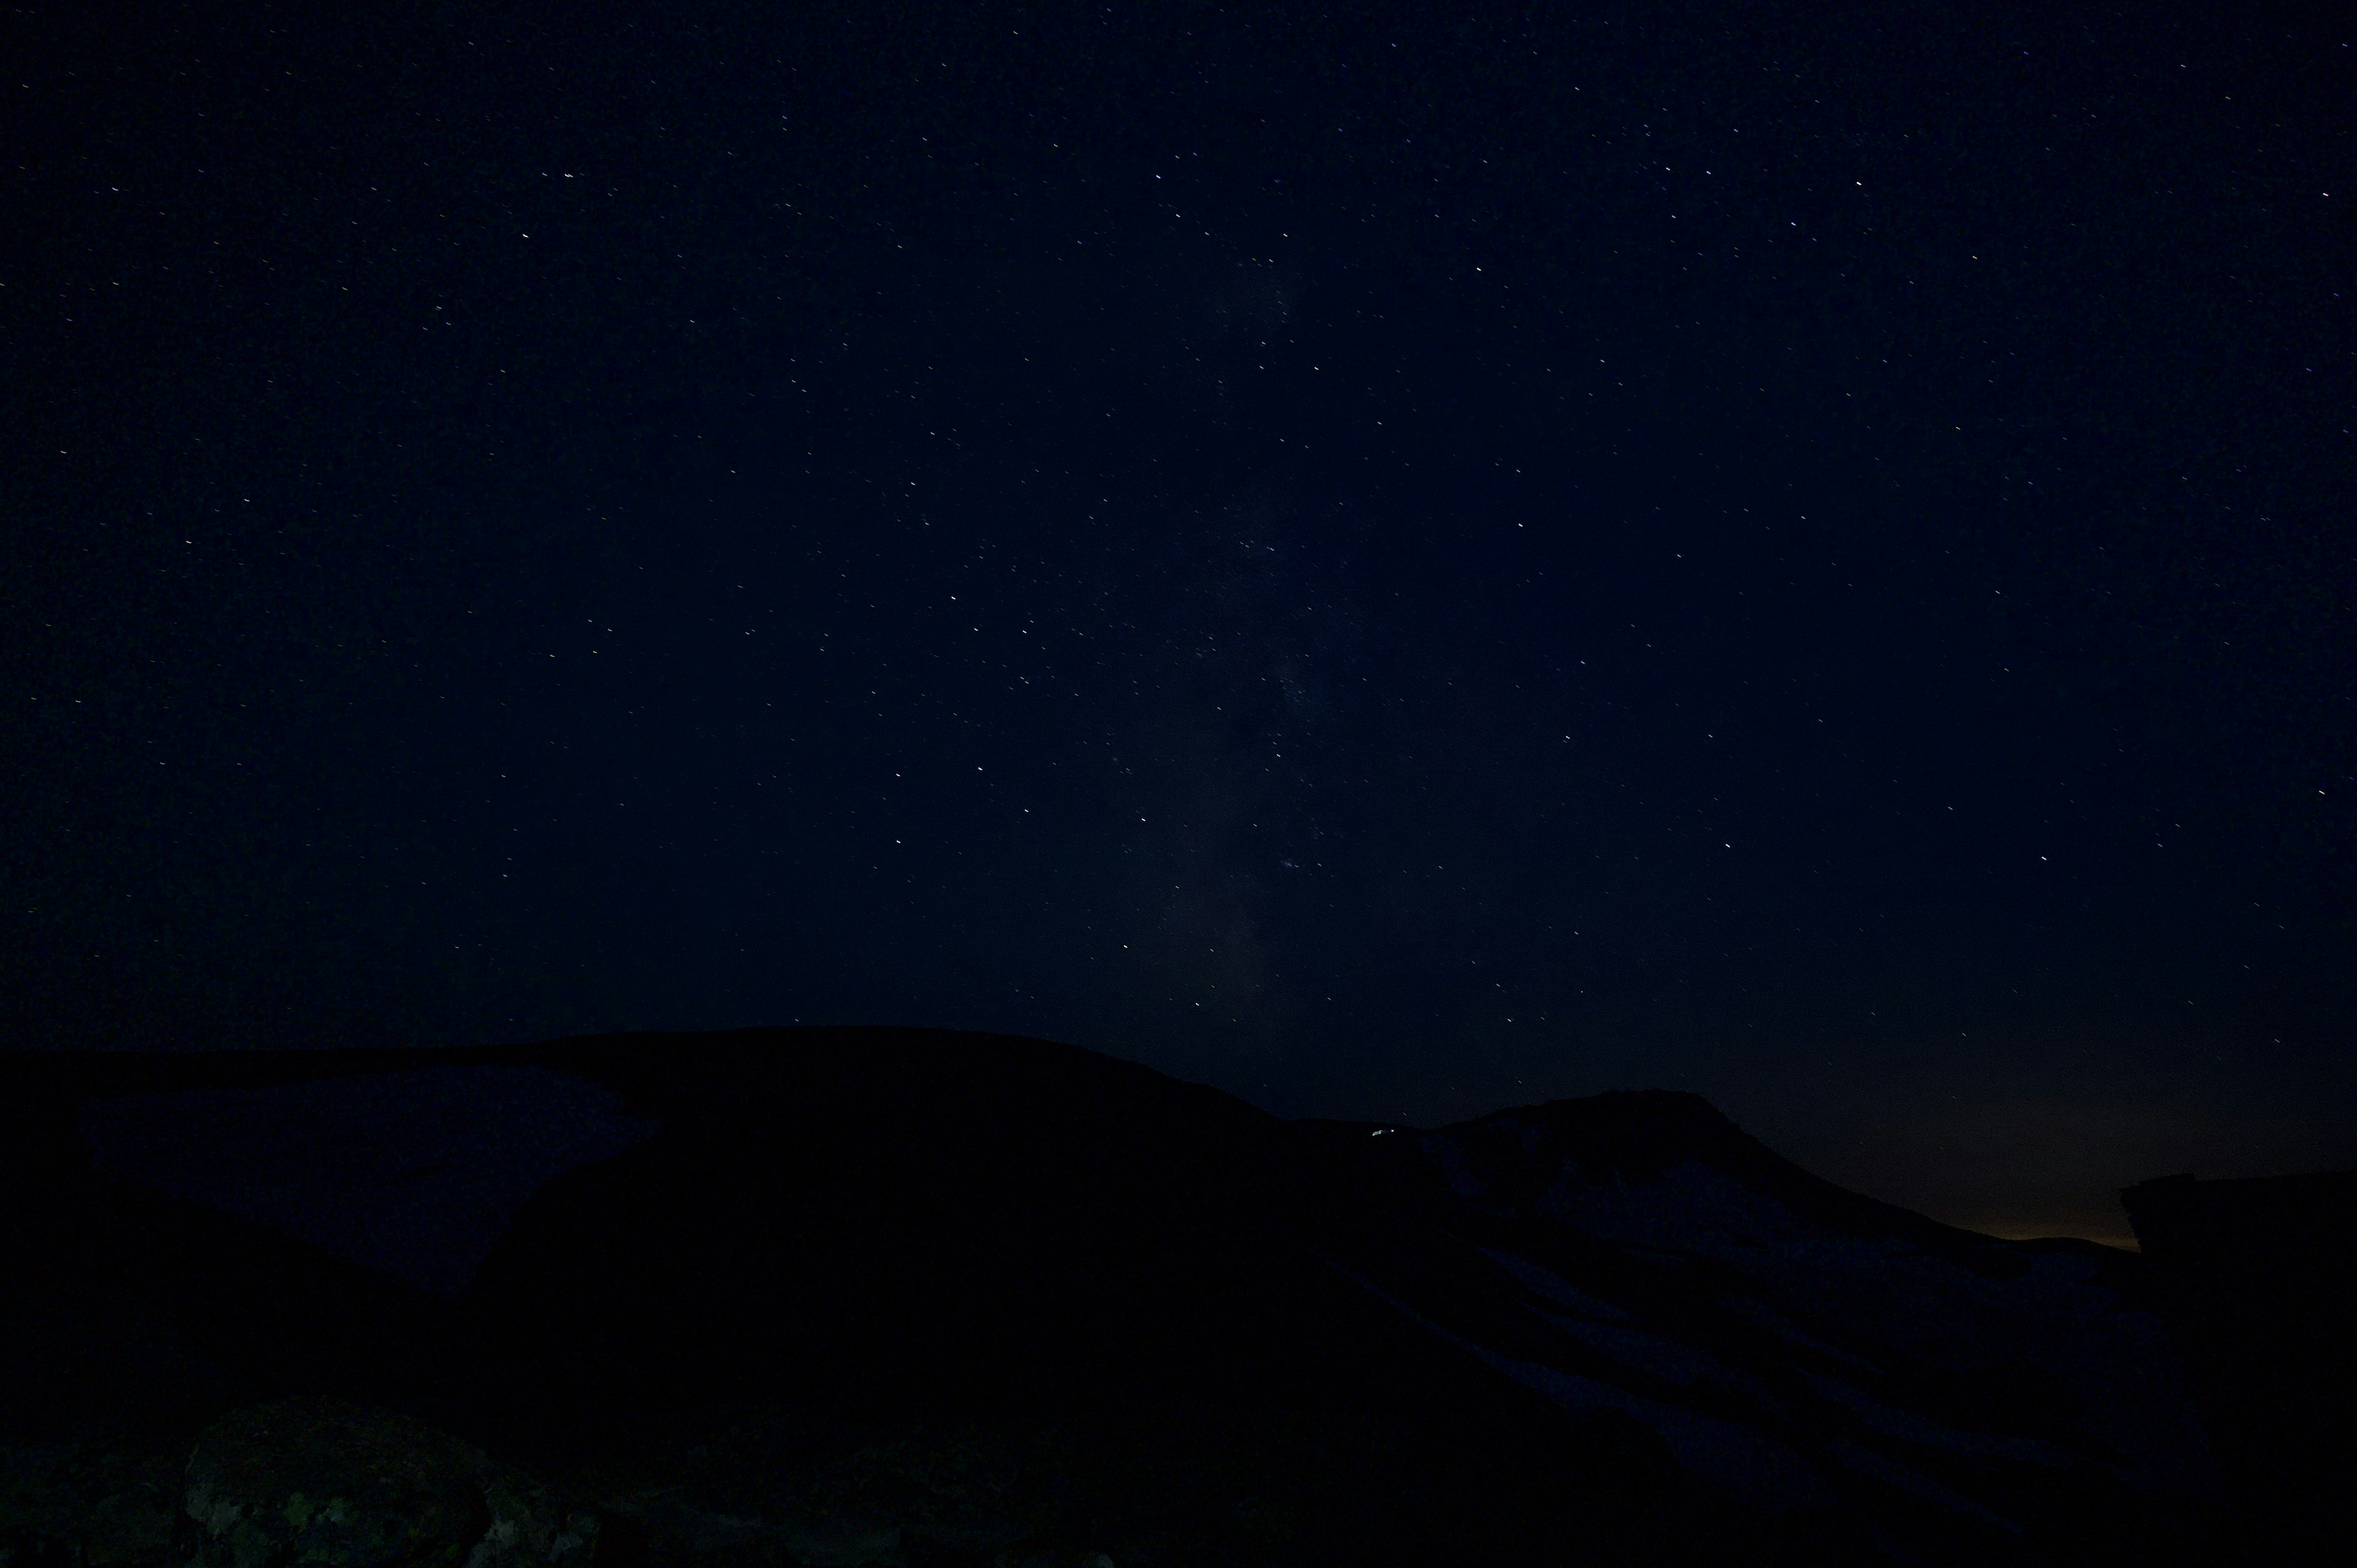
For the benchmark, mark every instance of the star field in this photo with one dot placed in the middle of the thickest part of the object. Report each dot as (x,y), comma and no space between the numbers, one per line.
(1395,564)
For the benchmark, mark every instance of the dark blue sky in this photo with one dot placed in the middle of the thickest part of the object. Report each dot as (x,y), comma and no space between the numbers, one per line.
(1394,562)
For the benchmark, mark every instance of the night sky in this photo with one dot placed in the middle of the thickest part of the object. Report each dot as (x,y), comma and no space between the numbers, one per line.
(1395,562)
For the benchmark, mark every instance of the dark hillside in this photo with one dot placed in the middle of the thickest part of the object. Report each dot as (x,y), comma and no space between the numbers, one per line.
(1169,1323)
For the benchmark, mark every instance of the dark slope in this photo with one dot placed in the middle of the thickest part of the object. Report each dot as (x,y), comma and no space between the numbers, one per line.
(1618,1322)
(880,1231)
(1799,1346)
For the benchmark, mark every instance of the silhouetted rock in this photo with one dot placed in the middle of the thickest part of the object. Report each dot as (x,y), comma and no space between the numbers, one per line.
(2262,1277)
(902,1296)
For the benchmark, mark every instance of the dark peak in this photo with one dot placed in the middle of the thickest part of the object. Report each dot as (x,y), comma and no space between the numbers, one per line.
(881,1071)
(1515,1155)
(1632,1134)
(1659,1112)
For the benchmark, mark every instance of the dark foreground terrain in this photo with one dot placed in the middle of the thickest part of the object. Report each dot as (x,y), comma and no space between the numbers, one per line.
(897,1296)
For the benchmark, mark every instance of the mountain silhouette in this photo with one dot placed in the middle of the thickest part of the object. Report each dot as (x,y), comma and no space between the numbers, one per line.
(1616,1327)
